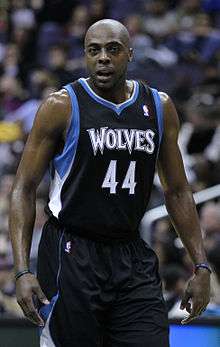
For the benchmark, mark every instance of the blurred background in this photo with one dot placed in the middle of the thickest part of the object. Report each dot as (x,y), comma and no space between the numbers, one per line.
(176,50)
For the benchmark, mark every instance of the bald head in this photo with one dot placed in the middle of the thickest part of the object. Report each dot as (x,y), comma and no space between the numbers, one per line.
(108,27)
(107,53)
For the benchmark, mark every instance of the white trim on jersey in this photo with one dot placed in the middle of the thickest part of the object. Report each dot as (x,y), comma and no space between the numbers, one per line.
(45,338)
(55,203)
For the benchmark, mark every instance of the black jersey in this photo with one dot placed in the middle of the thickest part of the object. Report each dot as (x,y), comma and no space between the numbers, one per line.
(103,178)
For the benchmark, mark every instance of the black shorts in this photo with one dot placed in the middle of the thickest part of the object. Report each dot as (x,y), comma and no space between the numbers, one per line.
(101,294)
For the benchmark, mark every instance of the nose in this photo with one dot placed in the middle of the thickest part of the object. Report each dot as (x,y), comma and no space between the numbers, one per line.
(103,57)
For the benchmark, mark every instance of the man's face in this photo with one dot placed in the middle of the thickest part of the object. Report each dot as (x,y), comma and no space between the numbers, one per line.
(107,56)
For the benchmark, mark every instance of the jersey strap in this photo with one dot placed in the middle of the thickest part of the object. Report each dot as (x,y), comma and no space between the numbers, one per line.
(159,111)
(62,162)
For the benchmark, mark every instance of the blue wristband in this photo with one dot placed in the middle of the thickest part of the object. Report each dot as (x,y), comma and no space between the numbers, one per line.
(202,266)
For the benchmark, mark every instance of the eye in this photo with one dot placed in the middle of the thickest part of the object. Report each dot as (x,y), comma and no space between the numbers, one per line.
(93,50)
(113,49)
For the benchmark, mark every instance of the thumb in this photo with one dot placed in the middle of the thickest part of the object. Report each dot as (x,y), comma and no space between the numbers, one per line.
(185,299)
(41,296)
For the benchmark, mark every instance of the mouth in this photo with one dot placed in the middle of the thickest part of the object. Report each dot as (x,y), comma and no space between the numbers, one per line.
(104,75)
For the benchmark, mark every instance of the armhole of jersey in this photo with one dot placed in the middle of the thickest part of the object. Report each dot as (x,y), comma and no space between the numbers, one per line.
(63,161)
(159,111)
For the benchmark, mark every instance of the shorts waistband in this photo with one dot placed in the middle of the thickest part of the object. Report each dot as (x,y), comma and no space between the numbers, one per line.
(98,237)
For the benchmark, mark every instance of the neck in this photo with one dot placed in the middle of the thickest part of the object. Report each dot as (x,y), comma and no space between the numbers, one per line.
(115,94)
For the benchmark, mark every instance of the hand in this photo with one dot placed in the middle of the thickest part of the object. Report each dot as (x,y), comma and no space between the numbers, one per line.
(27,286)
(198,292)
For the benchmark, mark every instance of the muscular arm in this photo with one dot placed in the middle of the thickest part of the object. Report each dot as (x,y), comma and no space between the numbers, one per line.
(46,135)
(41,146)
(178,196)
(181,208)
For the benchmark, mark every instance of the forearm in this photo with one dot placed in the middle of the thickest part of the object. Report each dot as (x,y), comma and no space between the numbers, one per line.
(21,223)
(182,210)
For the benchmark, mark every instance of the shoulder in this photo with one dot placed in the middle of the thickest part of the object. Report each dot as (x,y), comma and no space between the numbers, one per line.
(57,101)
(55,110)
(164,97)
(169,111)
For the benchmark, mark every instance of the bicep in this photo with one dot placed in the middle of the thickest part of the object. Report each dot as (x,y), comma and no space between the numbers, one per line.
(170,164)
(41,145)
(38,151)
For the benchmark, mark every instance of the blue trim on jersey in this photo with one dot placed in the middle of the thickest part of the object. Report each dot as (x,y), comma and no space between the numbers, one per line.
(118,108)
(45,310)
(62,161)
(159,111)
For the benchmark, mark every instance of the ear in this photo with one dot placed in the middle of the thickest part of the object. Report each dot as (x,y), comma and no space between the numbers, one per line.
(130,54)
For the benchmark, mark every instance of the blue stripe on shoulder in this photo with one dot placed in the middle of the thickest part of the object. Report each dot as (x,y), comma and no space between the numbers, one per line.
(62,161)
(159,111)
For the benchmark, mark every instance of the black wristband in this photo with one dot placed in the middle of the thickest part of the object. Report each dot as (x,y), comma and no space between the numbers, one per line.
(21,273)
(202,266)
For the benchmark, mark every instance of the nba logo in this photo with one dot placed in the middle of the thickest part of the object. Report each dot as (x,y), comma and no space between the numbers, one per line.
(146,111)
(68,247)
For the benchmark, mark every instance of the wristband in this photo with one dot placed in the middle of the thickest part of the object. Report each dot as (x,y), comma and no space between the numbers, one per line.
(21,273)
(203,266)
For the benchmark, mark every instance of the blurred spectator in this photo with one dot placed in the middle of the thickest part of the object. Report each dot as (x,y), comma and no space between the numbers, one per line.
(174,278)
(121,9)
(8,302)
(41,84)
(50,34)
(10,61)
(159,21)
(98,9)
(186,13)
(3,28)
(197,43)
(140,42)
(166,244)
(57,11)
(22,16)
(199,140)
(57,64)
(5,189)
(75,33)
(210,224)
(11,94)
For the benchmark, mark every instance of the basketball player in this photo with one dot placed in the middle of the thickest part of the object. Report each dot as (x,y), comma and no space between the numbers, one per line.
(97,281)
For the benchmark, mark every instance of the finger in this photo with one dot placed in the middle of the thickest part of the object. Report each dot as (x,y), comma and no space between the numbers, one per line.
(188,307)
(198,306)
(187,320)
(26,312)
(202,309)
(31,312)
(193,314)
(31,318)
(41,296)
(185,300)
